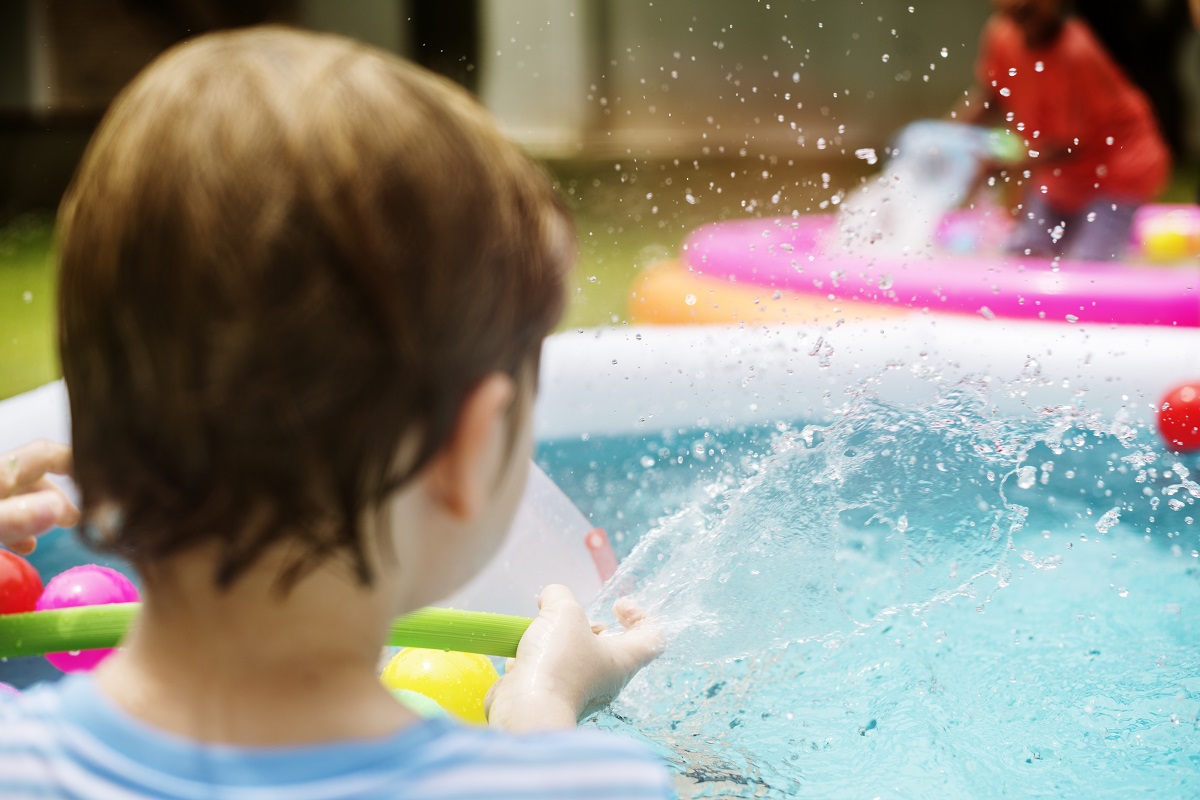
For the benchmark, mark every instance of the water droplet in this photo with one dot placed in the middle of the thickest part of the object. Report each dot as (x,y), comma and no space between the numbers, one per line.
(1038,66)
(1108,520)
(689,299)
(945,52)
(647,462)
(867,154)
(1027,477)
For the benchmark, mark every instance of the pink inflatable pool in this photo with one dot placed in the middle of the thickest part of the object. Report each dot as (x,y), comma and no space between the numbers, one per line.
(795,254)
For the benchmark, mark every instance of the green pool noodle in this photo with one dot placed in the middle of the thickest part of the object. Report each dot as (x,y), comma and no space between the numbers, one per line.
(90,627)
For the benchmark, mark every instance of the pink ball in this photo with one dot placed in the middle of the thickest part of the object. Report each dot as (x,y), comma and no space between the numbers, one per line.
(88,585)
(6,690)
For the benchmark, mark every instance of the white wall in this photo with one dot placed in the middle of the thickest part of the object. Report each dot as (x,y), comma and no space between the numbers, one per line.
(376,22)
(535,61)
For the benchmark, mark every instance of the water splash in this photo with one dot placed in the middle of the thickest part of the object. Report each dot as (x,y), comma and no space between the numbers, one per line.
(827,614)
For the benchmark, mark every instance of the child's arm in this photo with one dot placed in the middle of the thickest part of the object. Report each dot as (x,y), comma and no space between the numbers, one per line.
(564,670)
(29,503)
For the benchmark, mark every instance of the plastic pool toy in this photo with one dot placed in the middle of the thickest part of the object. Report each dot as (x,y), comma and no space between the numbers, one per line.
(1179,417)
(87,585)
(458,682)
(91,627)
(549,541)
(20,584)
(1167,234)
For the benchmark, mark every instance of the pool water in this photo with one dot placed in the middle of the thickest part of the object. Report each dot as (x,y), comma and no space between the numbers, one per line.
(908,602)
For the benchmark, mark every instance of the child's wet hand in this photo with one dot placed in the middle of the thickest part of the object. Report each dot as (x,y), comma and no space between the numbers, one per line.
(566,668)
(30,504)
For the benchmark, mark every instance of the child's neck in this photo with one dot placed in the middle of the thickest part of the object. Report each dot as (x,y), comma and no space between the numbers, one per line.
(245,667)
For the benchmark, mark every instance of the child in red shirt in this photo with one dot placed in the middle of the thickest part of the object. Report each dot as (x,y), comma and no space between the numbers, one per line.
(1094,149)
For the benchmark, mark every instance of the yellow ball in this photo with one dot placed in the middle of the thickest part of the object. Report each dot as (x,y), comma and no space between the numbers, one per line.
(458,682)
(1170,234)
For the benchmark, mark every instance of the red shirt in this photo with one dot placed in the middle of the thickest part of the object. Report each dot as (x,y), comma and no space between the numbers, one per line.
(1070,94)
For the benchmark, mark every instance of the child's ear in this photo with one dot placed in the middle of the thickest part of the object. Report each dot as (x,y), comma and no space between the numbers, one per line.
(464,473)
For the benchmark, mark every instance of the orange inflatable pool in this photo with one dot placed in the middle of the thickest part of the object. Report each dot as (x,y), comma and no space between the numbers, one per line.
(668,293)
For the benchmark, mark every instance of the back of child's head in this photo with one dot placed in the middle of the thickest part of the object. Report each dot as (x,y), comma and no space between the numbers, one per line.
(284,256)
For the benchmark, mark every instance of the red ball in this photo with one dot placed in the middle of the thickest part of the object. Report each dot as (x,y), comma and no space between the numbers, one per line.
(1179,417)
(20,584)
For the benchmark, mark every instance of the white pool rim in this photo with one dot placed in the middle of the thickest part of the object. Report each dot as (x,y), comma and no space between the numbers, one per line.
(628,380)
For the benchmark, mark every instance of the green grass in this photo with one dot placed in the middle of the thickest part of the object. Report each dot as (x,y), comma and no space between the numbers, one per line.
(27,354)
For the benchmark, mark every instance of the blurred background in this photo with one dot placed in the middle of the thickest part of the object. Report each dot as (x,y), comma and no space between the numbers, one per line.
(653,116)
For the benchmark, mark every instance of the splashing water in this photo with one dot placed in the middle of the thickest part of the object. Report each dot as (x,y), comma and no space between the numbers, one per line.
(936,602)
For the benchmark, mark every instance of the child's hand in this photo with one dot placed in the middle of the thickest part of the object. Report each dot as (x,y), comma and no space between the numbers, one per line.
(566,668)
(29,503)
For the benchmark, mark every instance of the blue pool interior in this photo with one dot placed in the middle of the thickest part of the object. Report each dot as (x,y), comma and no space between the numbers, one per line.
(939,600)
(909,602)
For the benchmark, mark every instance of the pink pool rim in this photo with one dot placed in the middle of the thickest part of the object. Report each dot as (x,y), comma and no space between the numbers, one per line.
(795,254)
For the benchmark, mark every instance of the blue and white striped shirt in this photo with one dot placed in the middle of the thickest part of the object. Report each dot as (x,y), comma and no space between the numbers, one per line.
(66,740)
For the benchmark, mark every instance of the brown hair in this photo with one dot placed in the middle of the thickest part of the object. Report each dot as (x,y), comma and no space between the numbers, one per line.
(284,254)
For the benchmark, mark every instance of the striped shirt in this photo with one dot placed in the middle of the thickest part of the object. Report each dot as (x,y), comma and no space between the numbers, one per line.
(66,740)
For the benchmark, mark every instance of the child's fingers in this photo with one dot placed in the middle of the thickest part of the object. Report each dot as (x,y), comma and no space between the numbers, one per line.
(555,595)
(68,517)
(627,612)
(29,463)
(28,515)
(638,645)
(23,547)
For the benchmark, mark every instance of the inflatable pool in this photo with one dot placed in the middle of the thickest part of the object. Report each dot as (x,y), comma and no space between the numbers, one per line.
(669,293)
(903,555)
(800,255)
